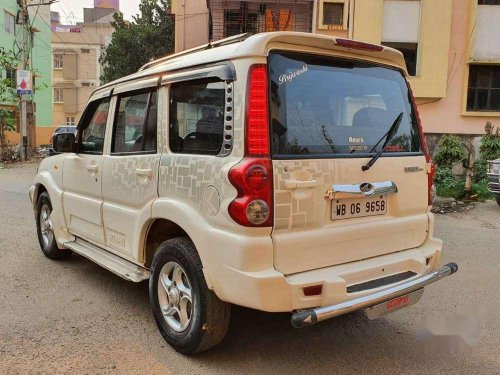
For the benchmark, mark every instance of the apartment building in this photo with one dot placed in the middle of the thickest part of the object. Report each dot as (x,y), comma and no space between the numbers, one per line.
(76,70)
(450,46)
(39,104)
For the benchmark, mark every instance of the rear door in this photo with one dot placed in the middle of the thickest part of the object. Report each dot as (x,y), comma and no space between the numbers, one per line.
(130,172)
(327,117)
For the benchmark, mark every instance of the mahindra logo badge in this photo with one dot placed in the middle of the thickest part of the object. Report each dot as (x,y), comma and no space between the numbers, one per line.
(365,187)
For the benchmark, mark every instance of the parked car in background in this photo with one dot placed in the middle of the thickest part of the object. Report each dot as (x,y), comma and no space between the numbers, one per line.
(494,178)
(60,130)
(285,172)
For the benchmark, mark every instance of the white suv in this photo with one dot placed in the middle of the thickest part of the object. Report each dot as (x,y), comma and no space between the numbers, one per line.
(282,172)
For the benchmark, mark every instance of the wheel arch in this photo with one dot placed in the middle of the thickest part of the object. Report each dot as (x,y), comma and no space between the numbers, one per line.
(181,221)
(158,231)
(39,189)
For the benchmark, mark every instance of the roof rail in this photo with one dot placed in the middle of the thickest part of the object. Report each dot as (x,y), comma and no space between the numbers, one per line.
(222,42)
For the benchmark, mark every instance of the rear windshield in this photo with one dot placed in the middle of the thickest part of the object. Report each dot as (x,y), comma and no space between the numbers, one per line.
(323,106)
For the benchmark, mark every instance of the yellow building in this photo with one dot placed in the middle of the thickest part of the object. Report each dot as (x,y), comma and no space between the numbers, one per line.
(452,54)
(76,70)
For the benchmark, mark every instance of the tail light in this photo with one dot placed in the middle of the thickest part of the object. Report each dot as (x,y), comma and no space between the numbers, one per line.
(431,169)
(253,176)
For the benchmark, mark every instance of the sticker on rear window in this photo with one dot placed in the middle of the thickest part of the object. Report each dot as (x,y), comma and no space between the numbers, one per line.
(357,144)
(289,77)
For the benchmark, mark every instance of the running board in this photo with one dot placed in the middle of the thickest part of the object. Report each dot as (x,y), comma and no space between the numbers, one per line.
(111,262)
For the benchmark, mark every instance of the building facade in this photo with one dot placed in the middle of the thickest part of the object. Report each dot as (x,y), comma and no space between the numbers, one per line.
(450,46)
(40,112)
(76,70)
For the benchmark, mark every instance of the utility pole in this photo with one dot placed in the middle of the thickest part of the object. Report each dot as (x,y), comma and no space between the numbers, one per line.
(24,112)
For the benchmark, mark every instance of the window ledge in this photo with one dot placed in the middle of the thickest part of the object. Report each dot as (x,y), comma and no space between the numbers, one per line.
(481,114)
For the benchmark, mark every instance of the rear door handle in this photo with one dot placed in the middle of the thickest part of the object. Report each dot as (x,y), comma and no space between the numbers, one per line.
(144,172)
(92,168)
(297,184)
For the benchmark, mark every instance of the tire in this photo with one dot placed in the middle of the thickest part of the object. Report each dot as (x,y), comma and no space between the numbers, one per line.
(205,320)
(497,197)
(46,236)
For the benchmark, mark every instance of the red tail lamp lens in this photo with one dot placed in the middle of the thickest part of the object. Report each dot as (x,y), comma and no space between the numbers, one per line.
(257,121)
(257,177)
(253,205)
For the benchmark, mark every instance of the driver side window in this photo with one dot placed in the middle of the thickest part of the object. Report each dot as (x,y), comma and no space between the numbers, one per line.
(94,128)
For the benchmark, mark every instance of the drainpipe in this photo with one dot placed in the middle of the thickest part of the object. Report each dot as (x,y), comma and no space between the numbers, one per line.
(315,16)
(183,25)
(351,19)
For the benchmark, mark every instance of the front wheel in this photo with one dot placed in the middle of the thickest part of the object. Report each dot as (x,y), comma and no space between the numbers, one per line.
(45,229)
(189,316)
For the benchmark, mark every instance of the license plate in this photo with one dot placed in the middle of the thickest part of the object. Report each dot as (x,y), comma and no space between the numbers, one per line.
(394,304)
(349,208)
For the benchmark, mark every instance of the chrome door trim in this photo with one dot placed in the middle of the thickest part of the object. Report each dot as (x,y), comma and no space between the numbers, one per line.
(364,189)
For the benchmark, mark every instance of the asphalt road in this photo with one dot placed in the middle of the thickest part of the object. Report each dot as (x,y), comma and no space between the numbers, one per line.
(74,317)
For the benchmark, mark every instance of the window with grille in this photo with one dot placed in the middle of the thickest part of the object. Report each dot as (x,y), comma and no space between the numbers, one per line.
(333,14)
(85,50)
(10,23)
(483,93)
(58,61)
(58,95)
(240,21)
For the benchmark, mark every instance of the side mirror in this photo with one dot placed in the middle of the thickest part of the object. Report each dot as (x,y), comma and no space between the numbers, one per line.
(63,142)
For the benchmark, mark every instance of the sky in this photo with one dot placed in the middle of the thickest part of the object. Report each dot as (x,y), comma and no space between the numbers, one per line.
(71,11)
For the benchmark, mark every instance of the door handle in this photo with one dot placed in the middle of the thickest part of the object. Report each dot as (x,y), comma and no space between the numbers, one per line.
(92,168)
(144,172)
(297,184)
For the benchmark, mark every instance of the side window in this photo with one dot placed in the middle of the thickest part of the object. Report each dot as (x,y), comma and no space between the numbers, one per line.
(94,127)
(135,124)
(196,121)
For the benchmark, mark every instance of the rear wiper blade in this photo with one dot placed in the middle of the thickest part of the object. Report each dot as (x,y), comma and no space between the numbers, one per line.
(388,137)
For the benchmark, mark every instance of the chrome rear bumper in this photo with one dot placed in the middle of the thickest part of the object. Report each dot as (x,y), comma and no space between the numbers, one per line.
(312,316)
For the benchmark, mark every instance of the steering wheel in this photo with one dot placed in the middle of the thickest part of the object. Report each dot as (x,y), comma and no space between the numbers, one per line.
(196,135)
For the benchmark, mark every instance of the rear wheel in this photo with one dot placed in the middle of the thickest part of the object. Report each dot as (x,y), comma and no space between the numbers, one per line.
(189,316)
(45,229)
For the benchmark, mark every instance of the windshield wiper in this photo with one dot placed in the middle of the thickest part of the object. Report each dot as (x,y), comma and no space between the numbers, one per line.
(388,136)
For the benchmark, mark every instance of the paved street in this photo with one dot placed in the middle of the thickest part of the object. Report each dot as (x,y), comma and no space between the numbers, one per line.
(74,317)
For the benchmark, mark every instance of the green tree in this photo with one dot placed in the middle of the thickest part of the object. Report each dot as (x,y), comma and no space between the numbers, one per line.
(149,36)
(449,151)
